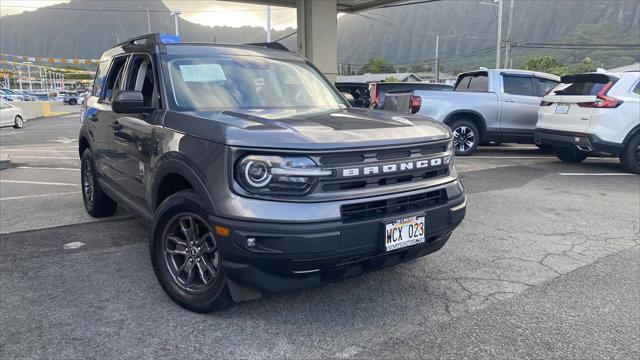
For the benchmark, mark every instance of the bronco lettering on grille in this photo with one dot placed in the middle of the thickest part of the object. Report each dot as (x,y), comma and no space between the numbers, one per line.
(393,168)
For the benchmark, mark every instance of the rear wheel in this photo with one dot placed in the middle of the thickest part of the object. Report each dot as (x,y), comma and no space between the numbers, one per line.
(630,159)
(18,122)
(73,101)
(96,202)
(185,254)
(570,155)
(466,136)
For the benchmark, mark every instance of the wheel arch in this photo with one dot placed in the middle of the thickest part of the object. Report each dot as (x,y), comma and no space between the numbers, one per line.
(174,175)
(470,115)
(634,131)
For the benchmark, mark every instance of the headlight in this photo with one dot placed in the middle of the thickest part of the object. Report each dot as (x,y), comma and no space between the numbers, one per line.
(278,175)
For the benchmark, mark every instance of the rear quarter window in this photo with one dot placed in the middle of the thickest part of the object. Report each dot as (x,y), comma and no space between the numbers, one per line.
(475,82)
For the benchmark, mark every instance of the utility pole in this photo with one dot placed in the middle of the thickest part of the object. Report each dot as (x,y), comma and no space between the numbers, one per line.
(268,23)
(508,44)
(499,38)
(148,23)
(175,15)
(437,59)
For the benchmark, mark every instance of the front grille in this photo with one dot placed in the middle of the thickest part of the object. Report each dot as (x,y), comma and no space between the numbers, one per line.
(377,158)
(403,204)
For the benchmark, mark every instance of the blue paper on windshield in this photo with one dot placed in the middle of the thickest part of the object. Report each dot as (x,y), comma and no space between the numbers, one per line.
(202,72)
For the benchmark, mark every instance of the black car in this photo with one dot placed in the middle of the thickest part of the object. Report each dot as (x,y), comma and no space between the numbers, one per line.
(255,173)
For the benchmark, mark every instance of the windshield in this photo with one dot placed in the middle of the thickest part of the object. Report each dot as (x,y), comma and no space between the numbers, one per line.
(244,82)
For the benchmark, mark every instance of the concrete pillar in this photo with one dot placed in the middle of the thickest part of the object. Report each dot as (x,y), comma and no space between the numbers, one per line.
(317,34)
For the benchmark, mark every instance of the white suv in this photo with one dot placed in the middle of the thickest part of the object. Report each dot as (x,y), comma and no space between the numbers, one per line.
(593,113)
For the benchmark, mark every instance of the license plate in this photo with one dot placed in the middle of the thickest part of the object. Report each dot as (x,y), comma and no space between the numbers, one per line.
(562,108)
(404,232)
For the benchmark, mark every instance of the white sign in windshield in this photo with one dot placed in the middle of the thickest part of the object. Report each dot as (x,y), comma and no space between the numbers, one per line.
(202,72)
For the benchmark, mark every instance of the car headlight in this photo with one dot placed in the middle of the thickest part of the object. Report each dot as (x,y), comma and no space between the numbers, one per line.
(278,175)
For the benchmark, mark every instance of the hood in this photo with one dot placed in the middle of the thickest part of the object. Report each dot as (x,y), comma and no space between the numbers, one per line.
(304,129)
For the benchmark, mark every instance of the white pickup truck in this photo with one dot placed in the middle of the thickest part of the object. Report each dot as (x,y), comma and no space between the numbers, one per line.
(499,105)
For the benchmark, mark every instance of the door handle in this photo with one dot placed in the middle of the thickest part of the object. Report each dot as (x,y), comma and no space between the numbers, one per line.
(116,126)
(510,101)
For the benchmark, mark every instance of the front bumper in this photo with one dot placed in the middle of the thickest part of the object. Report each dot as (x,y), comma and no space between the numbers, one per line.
(289,256)
(583,142)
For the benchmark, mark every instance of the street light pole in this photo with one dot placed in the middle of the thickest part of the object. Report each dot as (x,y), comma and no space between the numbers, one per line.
(175,15)
(28,63)
(499,39)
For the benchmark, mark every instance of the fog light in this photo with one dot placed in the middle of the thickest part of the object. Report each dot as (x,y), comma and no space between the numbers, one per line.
(251,242)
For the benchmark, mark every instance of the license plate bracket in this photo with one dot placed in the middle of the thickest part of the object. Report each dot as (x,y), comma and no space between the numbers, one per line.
(562,108)
(404,232)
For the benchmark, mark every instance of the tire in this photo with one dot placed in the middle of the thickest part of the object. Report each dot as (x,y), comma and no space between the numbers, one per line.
(466,136)
(570,155)
(630,158)
(96,202)
(73,102)
(18,122)
(173,248)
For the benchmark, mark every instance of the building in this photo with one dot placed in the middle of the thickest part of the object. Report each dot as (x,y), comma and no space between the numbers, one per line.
(367,78)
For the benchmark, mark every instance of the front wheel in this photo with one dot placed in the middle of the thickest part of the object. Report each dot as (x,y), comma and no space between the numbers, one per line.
(185,254)
(466,137)
(96,202)
(18,122)
(570,155)
(73,102)
(630,158)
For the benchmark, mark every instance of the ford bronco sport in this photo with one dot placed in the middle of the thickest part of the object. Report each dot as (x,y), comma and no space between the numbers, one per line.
(256,174)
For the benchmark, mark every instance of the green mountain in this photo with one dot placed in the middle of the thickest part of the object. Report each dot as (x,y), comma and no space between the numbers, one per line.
(406,35)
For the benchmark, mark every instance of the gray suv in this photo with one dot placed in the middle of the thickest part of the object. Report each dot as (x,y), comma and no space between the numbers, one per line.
(256,174)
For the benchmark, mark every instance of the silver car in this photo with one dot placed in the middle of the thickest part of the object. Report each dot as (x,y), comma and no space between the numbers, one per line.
(11,115)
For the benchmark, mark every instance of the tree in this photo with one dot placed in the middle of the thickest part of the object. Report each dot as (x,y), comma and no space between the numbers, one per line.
(377,65)
(546,64)
(586,65)
(391,79)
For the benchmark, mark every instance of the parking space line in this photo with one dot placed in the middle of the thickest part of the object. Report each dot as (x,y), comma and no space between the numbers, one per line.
(38,196)
(39,150)
(595,174)
(45,157)
(47,168)
(37,183)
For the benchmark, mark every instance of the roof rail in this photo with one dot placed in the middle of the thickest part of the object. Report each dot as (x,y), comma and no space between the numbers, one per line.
(153,38)
(270,45)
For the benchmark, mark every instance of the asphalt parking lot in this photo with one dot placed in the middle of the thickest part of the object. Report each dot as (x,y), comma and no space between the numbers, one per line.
(546,265)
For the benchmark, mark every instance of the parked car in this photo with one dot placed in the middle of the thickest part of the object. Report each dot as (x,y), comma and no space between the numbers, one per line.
(11,115)
(24,96)
(256,174)
(499,106)
(8,95)
(359,92)
(379,90)
(593,113)
(74,98)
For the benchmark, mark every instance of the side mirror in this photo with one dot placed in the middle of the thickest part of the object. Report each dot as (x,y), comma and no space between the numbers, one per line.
(129,102)
(348,96)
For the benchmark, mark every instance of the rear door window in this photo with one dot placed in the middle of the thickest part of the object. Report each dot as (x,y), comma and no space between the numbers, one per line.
(518,85)
(474,82)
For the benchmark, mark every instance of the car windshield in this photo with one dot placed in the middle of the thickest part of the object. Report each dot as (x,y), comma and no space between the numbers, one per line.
(245,82)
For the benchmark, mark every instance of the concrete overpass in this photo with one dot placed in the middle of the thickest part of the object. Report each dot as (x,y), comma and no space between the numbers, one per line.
(317,26)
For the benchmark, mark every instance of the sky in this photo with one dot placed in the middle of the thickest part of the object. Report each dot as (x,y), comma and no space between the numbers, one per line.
(205,12)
